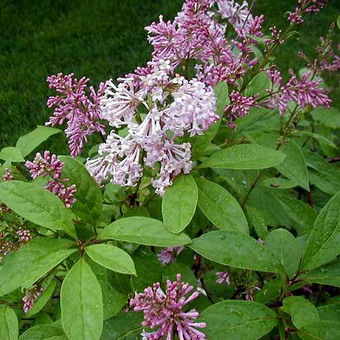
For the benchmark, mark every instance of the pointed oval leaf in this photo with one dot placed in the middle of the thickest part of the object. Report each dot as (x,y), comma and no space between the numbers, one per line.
(44,332)
(325,275)
(111,257)
(302,311)
(323,330)
(286,248)
(179,203)
(143,230)
(294,165)
(124,326)
(26,144)
(235,319)
(89,204)
(244,157)
(81,303)
(11,153)
(220,207)
(31,262)
(323,244)
(235,250)
(37,205)
(9,327)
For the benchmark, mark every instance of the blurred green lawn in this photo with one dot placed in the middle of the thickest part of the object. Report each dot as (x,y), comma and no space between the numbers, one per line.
(99,39)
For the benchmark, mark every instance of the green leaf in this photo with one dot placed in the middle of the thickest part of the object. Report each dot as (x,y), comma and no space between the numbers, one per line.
(179,203)
(81,303)
(9,327)
(271,291)
(44,332)
(244,157)
(170,273)
(11,153)
(148,269)
(323,244)
(338,21)
(37,205)
(113,301)
(286,249)
(330,312)
(26,144)
(302,311)
(235,319)
(31,262)
(125,326)
(220,207)
(327,117)
(294,165)
(143,230)
(278,183)
(40,303)
(323,330)
(326,275)
(112,258)
(202,142)
(235,250)
(258,85)
(318,137)
(89,204)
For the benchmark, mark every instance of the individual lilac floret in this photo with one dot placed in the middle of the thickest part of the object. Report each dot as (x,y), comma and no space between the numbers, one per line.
(165,311)
(30,297)
(73,105)
(7,175)
(223,277)
(50,165)
(168,255)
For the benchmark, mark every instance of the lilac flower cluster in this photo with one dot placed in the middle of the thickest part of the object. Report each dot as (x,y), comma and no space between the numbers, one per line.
(24,235)
(7,176)
(50,165)
(223,277)
(239,107)
(303,92)
(166,311)
(173,105)
(306,7)
(30,297)
(73,105)
(168,255)
(196,35)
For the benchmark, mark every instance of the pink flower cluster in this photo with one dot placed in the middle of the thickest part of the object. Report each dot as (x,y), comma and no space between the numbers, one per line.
(239,107)
(173,107)
(7,176)
(303,92)
(166,311)
(223,277)
(24,235)
(168,255)
(50,165)
(196,35)
(307,7)
(79,110)
(30,297)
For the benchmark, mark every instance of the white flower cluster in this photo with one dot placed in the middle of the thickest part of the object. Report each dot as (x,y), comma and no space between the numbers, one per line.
(153,109)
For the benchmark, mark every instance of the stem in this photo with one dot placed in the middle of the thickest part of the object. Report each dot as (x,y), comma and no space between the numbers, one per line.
(253,185)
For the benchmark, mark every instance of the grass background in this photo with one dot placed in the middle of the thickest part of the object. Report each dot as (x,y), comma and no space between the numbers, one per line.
(99,39)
